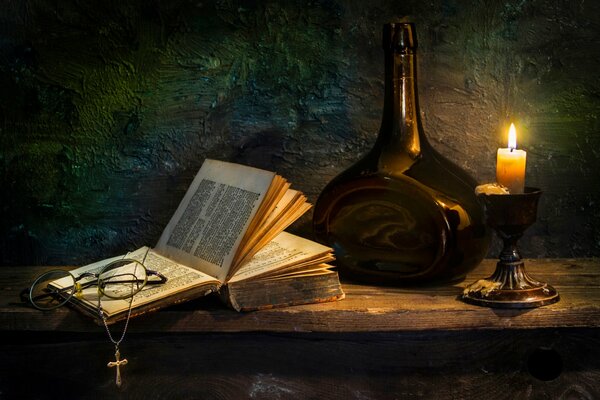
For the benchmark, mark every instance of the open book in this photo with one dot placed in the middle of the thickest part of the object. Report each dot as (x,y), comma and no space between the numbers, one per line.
(227,236)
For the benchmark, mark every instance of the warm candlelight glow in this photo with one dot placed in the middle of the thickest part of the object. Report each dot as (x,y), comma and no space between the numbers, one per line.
(510,165)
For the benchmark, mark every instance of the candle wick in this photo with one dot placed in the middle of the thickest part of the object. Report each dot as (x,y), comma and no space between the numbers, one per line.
(511,149)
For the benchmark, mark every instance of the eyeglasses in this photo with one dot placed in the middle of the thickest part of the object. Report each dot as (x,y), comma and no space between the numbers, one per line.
(120,279)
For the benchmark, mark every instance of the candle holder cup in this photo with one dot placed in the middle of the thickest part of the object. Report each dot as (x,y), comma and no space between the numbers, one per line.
(510,286)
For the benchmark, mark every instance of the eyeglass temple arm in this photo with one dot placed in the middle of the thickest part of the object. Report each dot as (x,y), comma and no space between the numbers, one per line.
(162,278)
(25,297)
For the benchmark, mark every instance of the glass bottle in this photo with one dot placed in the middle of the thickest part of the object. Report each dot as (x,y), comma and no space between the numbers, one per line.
(403,213)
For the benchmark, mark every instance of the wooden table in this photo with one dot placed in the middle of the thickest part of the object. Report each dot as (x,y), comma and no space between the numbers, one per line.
(378,343)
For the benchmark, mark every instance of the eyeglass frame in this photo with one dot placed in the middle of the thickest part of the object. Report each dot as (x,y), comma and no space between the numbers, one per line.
(27,294)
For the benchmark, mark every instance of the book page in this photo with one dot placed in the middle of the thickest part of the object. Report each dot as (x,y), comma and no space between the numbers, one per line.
(208,226)
(179,278)
(285,251)
(291,207)
(321,269)
(288,199)
(312,270)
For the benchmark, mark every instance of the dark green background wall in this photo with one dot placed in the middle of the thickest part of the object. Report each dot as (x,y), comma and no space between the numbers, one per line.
(107,109)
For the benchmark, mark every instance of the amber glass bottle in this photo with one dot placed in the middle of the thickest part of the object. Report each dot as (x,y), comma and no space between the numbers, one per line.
(403,213)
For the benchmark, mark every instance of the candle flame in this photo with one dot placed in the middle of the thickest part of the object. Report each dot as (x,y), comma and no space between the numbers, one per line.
(512,137)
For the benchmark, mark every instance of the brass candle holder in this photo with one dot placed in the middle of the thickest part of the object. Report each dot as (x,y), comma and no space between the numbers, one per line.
(510,286)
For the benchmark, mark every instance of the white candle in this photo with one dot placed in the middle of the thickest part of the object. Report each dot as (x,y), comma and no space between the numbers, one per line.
(510,164)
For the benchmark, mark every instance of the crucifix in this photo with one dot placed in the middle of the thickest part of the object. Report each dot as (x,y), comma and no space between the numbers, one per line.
(117,363)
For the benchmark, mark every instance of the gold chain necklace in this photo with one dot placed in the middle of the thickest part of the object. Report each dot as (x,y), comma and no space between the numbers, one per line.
(118,361)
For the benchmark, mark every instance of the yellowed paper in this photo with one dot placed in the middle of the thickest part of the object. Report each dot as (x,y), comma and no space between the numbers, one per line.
(197,234)
(179,277)
(283,251)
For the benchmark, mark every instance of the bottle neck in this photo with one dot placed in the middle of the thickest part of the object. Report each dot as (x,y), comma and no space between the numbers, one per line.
(399,138)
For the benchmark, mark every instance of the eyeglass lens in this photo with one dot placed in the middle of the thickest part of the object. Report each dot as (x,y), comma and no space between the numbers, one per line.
(122,279)
(52,289)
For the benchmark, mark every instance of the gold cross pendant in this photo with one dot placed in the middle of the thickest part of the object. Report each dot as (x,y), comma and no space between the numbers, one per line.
(117,363)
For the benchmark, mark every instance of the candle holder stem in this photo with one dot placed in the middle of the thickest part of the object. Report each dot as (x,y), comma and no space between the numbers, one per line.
(510,251)
(510,286)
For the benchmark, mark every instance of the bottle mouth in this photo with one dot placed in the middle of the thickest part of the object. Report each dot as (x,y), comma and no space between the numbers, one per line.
(400,37)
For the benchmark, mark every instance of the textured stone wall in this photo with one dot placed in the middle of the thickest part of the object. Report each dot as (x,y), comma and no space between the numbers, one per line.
(107,109)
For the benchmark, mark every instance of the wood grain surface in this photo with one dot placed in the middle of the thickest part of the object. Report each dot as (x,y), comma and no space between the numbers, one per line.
(365,309)
(378,343)
(494,364)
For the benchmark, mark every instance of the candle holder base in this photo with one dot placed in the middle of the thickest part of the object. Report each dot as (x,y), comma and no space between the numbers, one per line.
(510,287)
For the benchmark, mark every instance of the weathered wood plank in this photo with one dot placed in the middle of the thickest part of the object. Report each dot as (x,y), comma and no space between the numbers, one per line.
(443,365)
(365,309)
(379,343)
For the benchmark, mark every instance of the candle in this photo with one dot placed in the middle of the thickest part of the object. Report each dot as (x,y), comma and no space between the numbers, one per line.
(510,164)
